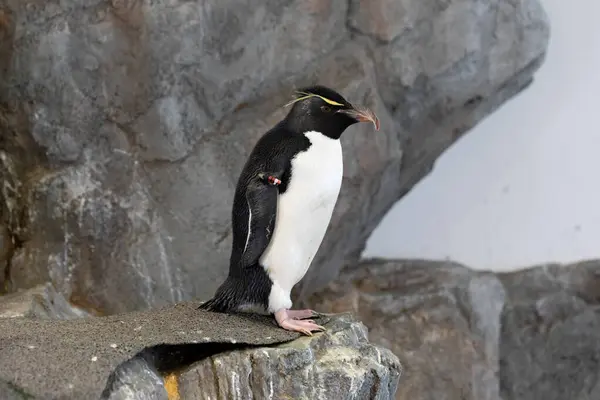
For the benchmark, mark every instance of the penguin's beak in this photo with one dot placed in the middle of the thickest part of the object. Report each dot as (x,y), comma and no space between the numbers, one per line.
(362,114)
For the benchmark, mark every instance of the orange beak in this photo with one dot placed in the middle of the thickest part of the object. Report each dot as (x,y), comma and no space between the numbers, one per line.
(362,114)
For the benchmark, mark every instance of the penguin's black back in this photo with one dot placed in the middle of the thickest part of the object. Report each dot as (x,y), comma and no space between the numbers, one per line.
(272,154)
(248,282)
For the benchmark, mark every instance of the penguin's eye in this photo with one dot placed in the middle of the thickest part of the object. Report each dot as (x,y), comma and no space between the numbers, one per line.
(325,109)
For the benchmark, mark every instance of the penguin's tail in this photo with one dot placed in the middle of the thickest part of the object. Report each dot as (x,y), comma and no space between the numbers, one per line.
(223,301)
(210,305)
(215,304)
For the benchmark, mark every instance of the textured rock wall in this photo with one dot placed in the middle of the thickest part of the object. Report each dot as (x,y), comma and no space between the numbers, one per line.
(124,124)
(41,301)
(467,335)
(441,319)
(550,347)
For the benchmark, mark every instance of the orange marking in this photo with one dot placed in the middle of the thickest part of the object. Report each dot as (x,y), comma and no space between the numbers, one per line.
(172,387)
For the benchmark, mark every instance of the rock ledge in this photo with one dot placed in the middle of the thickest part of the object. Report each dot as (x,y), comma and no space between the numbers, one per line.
(337,364)
(201,354)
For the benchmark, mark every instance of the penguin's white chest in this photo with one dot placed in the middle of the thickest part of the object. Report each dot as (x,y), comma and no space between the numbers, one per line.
(304,211)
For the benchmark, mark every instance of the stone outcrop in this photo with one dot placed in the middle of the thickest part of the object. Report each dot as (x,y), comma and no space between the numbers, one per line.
(441,319)
(124,125)
(550,347)
(42,301)
(341,364)
(184,352)
(462,334)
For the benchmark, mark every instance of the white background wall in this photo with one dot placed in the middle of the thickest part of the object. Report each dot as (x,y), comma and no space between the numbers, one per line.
(523,187)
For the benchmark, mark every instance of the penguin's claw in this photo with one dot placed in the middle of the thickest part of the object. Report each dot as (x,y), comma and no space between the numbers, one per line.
(301,325)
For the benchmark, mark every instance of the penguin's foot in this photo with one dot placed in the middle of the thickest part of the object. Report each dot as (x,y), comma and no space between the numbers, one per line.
(301,314)
(285,320)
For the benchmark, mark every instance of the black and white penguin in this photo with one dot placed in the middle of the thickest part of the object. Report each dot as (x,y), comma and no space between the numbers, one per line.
(283,204)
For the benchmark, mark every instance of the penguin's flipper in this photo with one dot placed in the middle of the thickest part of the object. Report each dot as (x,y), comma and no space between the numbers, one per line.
(261,200)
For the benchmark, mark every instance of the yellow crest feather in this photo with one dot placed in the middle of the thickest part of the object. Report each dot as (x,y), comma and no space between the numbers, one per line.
(308,95)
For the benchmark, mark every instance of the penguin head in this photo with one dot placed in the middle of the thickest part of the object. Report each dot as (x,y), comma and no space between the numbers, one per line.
(321,109)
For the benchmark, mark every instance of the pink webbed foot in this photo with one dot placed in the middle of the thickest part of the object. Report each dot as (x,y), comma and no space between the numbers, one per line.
(286,321)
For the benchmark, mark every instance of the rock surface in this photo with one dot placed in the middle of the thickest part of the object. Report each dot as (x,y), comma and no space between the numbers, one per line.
(39,302)
(125,355)
(74,358)
(124,125)
(462,334)
(550,346)
(441,319)
(339,364)
(5,251)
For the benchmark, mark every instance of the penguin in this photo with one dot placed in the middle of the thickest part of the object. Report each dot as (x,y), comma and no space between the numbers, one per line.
(282,206)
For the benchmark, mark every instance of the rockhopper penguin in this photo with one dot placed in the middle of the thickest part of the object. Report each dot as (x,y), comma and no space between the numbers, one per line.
(283,203)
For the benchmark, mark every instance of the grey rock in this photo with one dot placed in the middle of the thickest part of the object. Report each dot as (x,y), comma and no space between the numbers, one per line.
(73,359)
(485,299)
(128,356)
(5,252)
(12,392)
(163,128)
(42,301)
(440,318)
(124,125)
(338,364)
(550,346)
(385,20)
(135,379)
(462,334)
(454,52)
